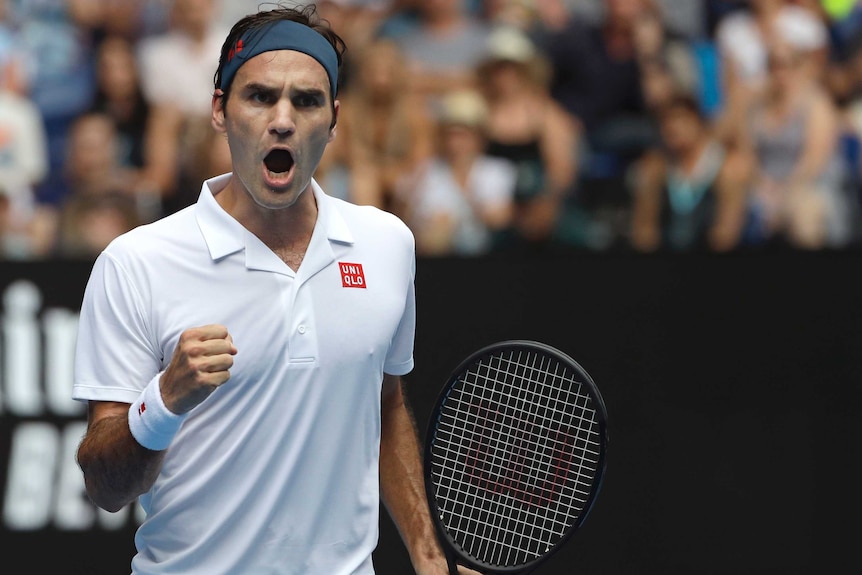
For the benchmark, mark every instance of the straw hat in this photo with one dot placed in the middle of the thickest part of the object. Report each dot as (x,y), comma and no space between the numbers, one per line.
(464,108)
(509,44)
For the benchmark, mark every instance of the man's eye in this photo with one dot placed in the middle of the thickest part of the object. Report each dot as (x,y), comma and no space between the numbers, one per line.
(260,97)
(306,101)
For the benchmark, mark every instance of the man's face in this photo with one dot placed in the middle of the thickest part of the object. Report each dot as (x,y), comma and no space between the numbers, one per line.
(278,122)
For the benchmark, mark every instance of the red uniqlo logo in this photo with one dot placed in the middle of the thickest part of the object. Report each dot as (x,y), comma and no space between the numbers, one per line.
(351,275)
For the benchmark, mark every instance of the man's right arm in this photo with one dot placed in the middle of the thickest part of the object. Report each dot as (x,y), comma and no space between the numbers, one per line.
(117,469)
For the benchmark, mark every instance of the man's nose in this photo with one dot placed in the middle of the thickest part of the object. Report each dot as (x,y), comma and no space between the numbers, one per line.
(282,122)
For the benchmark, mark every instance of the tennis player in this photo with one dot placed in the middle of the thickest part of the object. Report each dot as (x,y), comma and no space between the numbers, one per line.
(242,358)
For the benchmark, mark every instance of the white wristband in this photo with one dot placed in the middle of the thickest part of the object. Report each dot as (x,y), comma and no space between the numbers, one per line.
(152,424)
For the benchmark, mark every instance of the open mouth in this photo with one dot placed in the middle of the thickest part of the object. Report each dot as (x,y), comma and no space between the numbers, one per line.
(278,161)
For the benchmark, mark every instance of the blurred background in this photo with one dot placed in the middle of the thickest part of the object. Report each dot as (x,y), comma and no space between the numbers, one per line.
(668,190)
(495,126)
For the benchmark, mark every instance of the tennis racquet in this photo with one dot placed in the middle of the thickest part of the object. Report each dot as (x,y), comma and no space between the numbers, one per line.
(514,456)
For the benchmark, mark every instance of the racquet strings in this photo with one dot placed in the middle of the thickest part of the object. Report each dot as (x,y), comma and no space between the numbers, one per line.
(515,455)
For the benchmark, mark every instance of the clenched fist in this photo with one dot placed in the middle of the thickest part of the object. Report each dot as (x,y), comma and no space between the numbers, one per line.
(200,364)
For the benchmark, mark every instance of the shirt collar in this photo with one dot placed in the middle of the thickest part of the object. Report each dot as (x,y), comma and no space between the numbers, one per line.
(224,235)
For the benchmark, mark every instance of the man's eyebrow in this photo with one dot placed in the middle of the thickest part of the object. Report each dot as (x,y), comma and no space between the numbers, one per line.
(310,91)
(264,88)
(258,87)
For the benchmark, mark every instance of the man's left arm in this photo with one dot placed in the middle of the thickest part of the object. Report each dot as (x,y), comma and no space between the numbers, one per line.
(402,482)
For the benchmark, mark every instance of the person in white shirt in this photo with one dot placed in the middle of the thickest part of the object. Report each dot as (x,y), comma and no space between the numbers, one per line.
(242,358)
(460,200)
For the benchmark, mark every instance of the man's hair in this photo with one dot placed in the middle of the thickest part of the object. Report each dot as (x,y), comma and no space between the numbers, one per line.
(306,15)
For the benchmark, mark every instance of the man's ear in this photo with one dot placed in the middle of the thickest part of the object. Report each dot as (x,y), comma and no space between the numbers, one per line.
(336,106)
(218,111)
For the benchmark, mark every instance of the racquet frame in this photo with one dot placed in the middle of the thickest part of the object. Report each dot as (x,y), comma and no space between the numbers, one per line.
(515,466)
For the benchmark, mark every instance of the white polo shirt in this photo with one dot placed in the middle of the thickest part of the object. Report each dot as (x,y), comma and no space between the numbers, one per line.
(277,471)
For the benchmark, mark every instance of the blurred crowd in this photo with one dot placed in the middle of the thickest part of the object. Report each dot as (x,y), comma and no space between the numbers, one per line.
(486,125)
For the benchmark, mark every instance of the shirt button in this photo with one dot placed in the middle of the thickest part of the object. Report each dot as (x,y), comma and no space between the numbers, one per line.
(301,329)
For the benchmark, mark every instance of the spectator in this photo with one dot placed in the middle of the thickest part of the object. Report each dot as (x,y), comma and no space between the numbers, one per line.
(88,223)
(119,95)
(793,129)
(461,198)
(850,102)
(176,66)
(61,84)
(667,37)
(530,129)
(384,130)
(687,18)
(846,33)
(743,38)
(93,159)
(93,168)
(691,192)
(114,17)
(97,191)
(399,19)
(607,73)
(176,76)
(23,165)
(357,21)
(23,236)
(212,156)
(611,75)
(15,66)
(443,48)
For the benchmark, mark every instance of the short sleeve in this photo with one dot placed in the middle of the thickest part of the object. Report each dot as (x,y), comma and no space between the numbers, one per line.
(114,355)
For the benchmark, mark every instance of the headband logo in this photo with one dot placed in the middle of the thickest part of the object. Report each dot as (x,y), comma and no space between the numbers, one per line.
(235,50)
